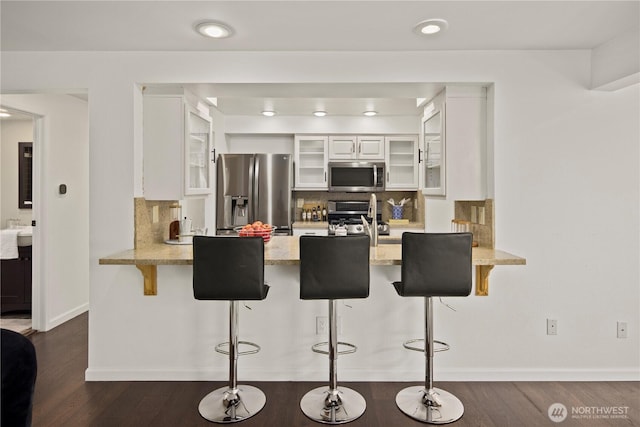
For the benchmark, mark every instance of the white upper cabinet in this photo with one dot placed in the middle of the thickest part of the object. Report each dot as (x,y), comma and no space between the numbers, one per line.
(402,162)
(352,147)
(434,141)
(342,147)
(454,139)
(177,148)
(371,147)
(310,162)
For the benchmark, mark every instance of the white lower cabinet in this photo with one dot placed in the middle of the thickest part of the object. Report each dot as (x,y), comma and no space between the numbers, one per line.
(310,231)
(397,231)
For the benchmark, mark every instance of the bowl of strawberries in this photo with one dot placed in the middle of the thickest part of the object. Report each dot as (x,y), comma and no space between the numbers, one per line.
(256,229)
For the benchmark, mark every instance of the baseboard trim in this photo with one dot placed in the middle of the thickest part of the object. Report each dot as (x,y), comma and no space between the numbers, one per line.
(64,317)
(457,375)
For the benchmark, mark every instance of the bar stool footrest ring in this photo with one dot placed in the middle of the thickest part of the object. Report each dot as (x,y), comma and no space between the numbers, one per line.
(408,346)
(219,348)
(316,348)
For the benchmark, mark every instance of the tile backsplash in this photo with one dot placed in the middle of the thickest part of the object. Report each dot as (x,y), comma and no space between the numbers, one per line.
(147,231)
(413,210)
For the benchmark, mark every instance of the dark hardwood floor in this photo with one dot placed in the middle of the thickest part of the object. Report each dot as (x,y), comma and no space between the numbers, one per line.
(63,398)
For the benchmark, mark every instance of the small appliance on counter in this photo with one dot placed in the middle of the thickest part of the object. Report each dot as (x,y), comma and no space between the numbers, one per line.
(174,225)
(347,215)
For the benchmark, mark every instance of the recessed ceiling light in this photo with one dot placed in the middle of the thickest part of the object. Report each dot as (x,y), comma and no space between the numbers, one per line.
(370,113)
(268,113)
(4,113)
(431,26)
(319,113)
(216,30)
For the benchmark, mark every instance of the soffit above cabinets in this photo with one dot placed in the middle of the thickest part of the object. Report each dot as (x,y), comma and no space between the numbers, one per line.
(297,99)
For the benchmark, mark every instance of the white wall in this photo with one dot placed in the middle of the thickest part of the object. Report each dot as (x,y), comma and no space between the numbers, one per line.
(13,132)
(61,238)
(566,190)
(251,143)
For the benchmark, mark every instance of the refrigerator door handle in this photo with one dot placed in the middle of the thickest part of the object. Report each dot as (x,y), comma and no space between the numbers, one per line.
(256,188)
(251,201)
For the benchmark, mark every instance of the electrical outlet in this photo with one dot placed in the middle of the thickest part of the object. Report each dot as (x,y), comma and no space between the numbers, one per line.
(155,214)
(322,325)
(622,329)
(552,327)
(300,203)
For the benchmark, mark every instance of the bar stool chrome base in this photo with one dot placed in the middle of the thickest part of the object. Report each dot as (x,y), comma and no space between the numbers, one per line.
(224,406)
(433,406)
(325,407)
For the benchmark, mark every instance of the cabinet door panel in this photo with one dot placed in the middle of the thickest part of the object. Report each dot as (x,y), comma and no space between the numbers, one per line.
(371,147)
(12,276)
(434,154)
(197,148)
(401,155)
(310,162)
(342,147)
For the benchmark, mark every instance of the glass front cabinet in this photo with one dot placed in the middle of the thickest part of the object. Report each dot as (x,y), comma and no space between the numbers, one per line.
(197,146)
(434,163)
(310,162)
(401,155)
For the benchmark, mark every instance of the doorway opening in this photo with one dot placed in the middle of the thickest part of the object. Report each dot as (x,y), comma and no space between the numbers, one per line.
(17,217)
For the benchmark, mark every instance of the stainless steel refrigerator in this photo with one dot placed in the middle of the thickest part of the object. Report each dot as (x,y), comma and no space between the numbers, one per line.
(252,187)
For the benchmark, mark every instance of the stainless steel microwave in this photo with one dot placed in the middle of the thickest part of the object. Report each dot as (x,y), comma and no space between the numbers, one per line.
(356,176)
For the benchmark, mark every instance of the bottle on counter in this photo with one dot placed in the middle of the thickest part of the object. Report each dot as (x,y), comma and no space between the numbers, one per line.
(303,215)
(314,214)
(324,212)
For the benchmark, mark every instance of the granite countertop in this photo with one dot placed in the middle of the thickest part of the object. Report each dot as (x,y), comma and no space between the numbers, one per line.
(284,250)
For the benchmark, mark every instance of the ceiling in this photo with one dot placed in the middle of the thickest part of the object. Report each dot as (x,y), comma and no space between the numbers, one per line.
(328,25)
(296,25)
(15,115)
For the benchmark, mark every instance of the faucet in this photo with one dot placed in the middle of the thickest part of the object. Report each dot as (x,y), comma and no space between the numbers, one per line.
(373,214)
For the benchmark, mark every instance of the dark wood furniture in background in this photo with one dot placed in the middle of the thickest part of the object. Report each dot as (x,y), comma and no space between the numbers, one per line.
(15,294)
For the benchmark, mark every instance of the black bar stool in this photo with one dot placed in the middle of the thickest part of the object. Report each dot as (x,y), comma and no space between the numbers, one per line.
(230,269)
(433,265)
(333,268)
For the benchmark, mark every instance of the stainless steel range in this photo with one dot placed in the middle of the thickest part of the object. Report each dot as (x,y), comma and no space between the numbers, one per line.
(348,214)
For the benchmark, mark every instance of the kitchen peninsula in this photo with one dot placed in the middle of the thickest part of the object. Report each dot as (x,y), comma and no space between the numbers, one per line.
(283,325)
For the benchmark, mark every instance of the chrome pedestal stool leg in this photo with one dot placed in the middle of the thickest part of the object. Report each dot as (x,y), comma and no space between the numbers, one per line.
(427,403)
(333,405)
(232,403)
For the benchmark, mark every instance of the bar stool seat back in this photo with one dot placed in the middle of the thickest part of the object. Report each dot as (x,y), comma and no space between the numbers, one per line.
(435,265)
(334,268)
(228,268)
